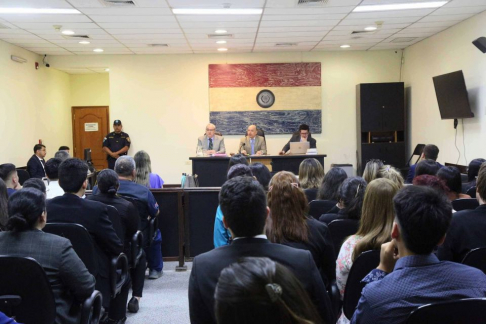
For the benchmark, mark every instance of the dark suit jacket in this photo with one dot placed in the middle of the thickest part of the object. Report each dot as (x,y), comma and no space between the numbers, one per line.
(35,168)
(69,278)
(207,267)
(296,138)
(466,232)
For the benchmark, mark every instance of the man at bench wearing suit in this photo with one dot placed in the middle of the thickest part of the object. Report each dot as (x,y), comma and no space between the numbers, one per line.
(245,211)
(93,215)
(252,143)
(302,135)
(210,142)
(36,163)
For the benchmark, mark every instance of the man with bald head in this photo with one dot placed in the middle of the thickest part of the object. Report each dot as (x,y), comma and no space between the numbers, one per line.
(211,142)
(252,143)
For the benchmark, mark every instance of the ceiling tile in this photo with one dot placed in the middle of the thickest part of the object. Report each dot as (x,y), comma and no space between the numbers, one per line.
(149,36)
(293,4)
(308,11)
(157,25)
(294,34)
(72,26)
(18,36)
(360,27)
(22,18)
(207,31)
(131,11)
(86,3)
(151,3)
(216,3)
(61,4)
(391,14)
(127,31)
(304,17)
(78,31)
(446,18)
(222,24)
(458,10)
(235,36)
(143,42)
(217,18)
(464,3)
(271,23)
(294,29)
(229,41)
(434,24)
(133,19)
(385,21)
(288,39)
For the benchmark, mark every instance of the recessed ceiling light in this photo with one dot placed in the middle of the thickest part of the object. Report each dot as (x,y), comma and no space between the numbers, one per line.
(38,11)
(84,42)
(221,42)
(345,46)
(107,70)
(371,28)
(98,50)
(220,31)
(401,6)
(222,49)
(68,32)
(187,11)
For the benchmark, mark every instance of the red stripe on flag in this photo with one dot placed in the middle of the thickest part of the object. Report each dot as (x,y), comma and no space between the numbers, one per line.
(265,75)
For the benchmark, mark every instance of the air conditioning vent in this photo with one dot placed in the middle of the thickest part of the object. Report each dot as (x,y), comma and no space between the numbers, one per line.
(117,3)
(75,36)
(158,45)
(220,36)
(312,2)
(403,40)
(285,44)
(4,27)
(363,32)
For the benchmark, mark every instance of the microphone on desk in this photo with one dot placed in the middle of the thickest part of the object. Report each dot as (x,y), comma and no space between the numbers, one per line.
(242,146)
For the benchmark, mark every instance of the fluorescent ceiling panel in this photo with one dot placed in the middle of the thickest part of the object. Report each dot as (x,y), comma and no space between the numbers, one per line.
(400,6)
(37,11)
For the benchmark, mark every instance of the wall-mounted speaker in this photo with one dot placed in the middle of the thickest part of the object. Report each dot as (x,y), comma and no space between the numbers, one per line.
(480,43)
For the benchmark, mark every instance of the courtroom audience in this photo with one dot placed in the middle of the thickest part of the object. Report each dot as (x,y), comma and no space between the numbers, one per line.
(52,172)
(409,274)
(468,227)
(430,152)
(472,173)
(259,290)
(351,195)
(144,176)
(432,182)
(3,205)
(311,174)
(8,173)
(70,281)
(237,159)
(261,173)
(290,225)
(452,179)
(245,211)
(62,155)
(374,229)
(371,169)
(329,189)
(391,173)
(35,183)
(429,167)
(64,148)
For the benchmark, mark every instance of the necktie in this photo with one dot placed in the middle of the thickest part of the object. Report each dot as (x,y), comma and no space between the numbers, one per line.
(210,147)
(43,162)
(252,142)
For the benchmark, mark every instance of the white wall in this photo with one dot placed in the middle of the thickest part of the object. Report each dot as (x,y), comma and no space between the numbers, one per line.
(446,52)
(163,101)
(90,89)
(34,104)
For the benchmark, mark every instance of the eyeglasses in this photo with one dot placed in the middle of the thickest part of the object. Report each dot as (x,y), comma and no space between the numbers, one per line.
(210,130)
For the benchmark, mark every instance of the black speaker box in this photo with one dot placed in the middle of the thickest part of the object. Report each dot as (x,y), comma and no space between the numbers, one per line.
(480,43)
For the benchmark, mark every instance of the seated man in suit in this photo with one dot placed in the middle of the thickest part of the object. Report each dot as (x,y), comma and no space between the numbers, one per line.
(93,215)
(36,163)
(430,152)
(302,135)
(52,172)
(409,274)
(245,211)
(468,227)
(210,142)
(252,143)
(9,175)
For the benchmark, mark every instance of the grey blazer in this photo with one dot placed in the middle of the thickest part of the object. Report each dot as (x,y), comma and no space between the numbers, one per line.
(218,143)
(70,281)
(260,145)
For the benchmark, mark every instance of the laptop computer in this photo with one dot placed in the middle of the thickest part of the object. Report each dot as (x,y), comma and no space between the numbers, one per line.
(299,147)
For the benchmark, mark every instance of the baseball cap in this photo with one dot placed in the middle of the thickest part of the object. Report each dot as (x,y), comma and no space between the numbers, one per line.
(117,122)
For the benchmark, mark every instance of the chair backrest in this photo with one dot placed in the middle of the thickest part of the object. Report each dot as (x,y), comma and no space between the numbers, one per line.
(476,258)
(462,204)
(81,241)
(116,221)
(23,175)
(25,278)
(471,192)
(320,207)
(340,229)
(363,264)
(260,132)
(468,310)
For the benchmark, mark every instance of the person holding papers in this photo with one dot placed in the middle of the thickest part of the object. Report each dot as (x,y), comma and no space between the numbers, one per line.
(252,144)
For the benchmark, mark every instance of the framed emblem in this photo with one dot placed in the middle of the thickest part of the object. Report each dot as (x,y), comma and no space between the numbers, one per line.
(265,98)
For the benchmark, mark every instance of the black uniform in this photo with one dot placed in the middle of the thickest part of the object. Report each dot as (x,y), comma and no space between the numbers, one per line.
(115,142)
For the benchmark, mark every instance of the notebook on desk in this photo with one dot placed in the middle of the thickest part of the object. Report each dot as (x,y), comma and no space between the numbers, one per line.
(299,147)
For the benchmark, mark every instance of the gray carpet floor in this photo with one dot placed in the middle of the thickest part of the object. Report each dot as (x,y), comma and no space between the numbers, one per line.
(165,299)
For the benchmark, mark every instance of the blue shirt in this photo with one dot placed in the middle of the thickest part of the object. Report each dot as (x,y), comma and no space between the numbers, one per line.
(221,235)
(416,280)
(11,191)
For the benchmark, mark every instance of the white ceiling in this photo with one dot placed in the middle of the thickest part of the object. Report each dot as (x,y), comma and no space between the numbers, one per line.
(130,30)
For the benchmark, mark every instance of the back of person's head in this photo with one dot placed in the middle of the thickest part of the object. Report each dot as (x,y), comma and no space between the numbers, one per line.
(261,173)
(124,166)
(108,182)
(3,205)
(429,167)
(288,206)
(52,168)
(451,177)
(237,159)
(62,155)
(473,169)
(24,209)
(243,203)
(143,167)
(371,169)
(432,182)
(7,170)
(311,173)
(259,290)
(72,174)
(329,189)
(239,170)
(390,173)
(35,183)
(351,195)
(481,182)
(64,148)
(423,216)
(38,147)
(431,152)
(377,215)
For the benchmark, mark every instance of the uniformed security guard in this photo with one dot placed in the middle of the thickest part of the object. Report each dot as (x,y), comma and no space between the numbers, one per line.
(116,143)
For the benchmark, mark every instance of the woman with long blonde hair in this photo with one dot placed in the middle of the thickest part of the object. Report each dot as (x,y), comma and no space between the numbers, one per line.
(311,174)
(375,228)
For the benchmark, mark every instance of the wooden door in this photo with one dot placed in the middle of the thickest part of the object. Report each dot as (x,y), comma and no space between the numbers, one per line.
(90,126)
